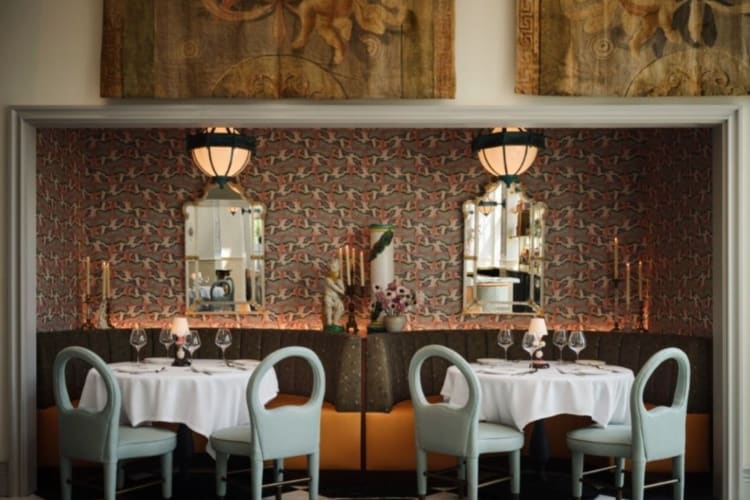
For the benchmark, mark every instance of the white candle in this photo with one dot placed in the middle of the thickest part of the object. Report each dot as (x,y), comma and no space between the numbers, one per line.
(361,268)
(341,261)
(109,280)
(348,266)
(617,260)
(627,285)
(104,280)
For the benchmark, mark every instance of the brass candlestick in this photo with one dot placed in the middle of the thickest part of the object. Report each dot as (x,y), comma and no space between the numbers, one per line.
(88,322)
(351,294)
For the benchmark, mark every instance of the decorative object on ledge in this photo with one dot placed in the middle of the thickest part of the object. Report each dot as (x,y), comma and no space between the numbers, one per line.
(394,301)
(301,49)
(333,306)
(639,322)
(538,329)
(507,152)
(102,313)
(180,329)
(221,152)
(381,269)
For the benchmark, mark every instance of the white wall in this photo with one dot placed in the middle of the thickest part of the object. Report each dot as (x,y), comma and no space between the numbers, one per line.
(49,55)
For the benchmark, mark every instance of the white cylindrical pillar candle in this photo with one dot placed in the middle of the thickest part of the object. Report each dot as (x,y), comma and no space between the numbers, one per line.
(381,266)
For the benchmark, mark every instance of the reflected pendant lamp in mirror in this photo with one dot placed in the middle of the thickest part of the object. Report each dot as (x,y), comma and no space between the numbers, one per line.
(221,152)
(507,152)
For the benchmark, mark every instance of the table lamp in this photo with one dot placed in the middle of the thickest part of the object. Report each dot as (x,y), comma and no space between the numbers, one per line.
(179,329)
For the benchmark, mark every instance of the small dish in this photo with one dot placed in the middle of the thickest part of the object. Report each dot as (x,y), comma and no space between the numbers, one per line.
(591,362)
(490,361)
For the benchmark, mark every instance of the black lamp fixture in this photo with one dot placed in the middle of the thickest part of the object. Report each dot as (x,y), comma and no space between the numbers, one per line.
(507,152)
(221,152)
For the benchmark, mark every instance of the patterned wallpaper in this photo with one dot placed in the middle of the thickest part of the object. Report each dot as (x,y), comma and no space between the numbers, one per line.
(324,187)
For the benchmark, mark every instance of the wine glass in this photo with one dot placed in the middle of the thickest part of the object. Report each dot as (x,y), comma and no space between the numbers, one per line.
(560,339)
(223,340)
(577,342)
(505,340)
(530,345)
(138,339)
(192,342)
(166,338)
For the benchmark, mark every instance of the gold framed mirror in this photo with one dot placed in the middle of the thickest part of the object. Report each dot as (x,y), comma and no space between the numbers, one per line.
(503,270)
(224,253)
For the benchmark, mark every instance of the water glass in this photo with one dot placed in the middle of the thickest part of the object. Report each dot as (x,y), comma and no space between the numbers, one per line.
(138,339)
(530,345)
(577,342)
(166,338)
(505,340)
(560,339)
(192,342)
(223,340)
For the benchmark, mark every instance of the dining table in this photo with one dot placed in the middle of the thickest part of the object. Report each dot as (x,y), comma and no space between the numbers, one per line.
(516,394)
(208,395)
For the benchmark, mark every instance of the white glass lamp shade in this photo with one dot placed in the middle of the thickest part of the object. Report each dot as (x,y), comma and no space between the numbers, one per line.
(221,152)
(507,152)
(180,327)
(538,327)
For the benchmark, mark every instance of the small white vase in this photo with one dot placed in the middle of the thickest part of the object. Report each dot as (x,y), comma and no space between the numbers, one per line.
(394,324)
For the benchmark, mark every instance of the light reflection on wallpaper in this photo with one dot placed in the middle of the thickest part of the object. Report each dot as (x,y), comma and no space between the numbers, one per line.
(324,187)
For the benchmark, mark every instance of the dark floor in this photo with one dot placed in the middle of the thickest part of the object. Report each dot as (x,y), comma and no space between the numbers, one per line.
(347,484)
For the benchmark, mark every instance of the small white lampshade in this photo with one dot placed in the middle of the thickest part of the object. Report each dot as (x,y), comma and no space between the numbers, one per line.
(507,152)
(180,327)
(221,152)
(538,327)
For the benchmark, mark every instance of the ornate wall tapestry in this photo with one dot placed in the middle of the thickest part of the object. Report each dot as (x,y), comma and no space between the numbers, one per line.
(117,195)
(313,49)
(633,47)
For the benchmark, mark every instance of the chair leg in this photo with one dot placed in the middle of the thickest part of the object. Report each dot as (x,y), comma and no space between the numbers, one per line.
(66,477)
(110,480)
(256,479)
(222,461)
(421,471)
(639,478)
(576,472)
(278,475)
(472,477)
(166,475)
(313,470)
(514,459)
(678,472)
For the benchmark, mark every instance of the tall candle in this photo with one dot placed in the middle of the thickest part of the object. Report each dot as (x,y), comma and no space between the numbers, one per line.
(88,276)
(109,280)
(104,280)
(640,280)
(341,261)
(627,285)
(348,266)
(617,260)
(361,268)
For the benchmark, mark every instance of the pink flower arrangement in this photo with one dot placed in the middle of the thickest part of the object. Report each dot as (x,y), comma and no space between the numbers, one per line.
(394,300)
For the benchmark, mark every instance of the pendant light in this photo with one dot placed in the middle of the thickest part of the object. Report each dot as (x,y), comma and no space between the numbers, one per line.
(221,152)
(507,152)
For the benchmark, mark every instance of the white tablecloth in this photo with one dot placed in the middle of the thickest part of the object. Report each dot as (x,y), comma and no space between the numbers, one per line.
(205,402)
(515,398)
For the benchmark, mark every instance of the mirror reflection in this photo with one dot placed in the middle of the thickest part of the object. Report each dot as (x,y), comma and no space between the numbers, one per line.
(224,253)
(503,252)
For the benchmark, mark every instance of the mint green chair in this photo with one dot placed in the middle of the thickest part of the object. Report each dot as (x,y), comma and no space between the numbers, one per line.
(654,434)
(98,436)
(276,433)
(452,430)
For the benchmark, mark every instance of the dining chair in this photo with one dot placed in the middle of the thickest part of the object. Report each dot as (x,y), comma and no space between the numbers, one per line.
(452,430)
(275,433)
(97,436)
(654,434)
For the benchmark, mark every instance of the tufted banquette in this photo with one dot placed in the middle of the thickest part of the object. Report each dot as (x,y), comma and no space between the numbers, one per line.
(340,355)
(389,417)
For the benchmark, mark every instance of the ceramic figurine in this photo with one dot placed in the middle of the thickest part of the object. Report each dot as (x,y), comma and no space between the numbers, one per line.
(332,303)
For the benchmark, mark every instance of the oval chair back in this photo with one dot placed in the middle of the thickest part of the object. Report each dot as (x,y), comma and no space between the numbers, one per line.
(288,430)
(86,434)
(660,432)
(439,427)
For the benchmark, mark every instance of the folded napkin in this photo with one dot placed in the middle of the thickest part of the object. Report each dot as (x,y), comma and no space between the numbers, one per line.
(580,370)
(505,370)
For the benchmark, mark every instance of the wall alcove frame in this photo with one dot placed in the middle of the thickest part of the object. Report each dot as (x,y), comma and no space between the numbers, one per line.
(731,230)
